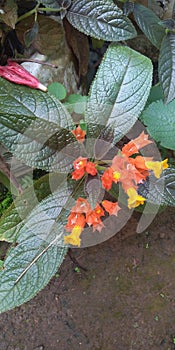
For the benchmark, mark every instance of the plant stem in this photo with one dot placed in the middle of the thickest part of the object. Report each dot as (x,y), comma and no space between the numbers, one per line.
(37,9)
(34,61)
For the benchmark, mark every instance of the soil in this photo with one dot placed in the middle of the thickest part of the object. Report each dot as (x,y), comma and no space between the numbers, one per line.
(124,301)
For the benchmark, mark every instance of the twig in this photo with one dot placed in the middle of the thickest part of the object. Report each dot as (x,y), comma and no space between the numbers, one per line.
(34,61)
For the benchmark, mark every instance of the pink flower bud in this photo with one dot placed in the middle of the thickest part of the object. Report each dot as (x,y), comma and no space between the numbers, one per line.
(15,73)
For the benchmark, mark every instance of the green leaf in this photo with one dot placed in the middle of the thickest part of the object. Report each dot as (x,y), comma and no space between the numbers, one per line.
(119,91)
(167,67)
(36,128)
(35,279)
(156,93)
(1,264)
(160,121)
(39,252)
(94,190)
(76,103)
(160,191)
(149,23)
(9,15)
(101,19)
(97,44)
(58,90)
(51,3)
(30,34)
(13,218)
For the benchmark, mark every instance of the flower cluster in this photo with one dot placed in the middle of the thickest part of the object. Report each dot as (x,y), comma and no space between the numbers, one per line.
(128,167)
(82,214)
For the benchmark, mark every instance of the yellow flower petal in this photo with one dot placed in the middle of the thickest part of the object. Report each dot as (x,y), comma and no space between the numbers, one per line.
(157,167)
(134,199)
(74,237)
(116,175)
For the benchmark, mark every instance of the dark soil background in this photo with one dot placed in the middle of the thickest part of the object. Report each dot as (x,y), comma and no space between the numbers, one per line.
(125,300)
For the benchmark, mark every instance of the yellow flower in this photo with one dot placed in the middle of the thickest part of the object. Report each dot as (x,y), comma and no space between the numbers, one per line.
(157,167)
(134,199)
(74,237)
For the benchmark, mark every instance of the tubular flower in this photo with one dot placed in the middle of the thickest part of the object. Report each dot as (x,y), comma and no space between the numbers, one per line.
(79,134)
(141,170)
(136,144)
(93,216)
(107,179)
(75,225)
(75,219)
(91,168)
(126,170)
(134,199)
(157,167)
(82,206)
(110,207)
(15,73)
(74,237)
(80,168)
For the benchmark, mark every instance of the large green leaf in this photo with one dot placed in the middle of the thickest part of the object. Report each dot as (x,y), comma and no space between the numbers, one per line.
(39,251)
(160,191)
(101,19)
(13,218)
(35,127)
(119,91)
(160,121)
(55,4)
(149,23)
(167,67)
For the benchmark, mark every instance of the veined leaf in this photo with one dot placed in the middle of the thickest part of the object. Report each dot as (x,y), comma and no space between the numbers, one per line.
(160,191)
(101,19)
(35,127)
(149,23)
(160,121)
(119,91)
(94,190)
(167,67)
(14,217)
(35,279)
(52,3)
(40,250)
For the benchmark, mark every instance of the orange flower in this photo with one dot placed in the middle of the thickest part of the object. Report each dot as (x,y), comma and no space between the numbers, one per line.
(98,227)
(82,206)
(75,219)
(91,168)
(122,166)
(78,174)
(136,144)
(79,134)
(80,168)
(75,225)
(107,179)
(93,216)
(80,163)
(141,172)
(110,207)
